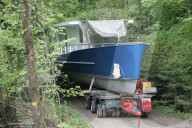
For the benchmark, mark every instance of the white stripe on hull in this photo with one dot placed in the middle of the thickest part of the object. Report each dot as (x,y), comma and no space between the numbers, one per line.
(120,86)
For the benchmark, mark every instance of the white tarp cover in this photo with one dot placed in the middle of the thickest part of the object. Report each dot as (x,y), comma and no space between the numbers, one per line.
(105,31)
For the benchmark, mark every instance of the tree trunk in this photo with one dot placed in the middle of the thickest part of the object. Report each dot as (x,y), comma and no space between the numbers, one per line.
(85,5)
(175,98)
(80,2)
(140,15)
(31,63)
(1,50)
(126,4)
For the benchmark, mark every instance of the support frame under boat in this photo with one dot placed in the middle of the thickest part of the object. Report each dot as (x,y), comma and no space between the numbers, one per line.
(106,103)
(102,101)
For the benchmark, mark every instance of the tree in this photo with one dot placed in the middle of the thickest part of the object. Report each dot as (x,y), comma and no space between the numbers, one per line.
(31,63)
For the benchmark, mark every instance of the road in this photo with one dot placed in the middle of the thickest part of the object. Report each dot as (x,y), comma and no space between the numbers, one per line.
(154,120)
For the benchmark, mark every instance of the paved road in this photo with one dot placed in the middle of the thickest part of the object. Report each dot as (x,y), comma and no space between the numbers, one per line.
(154,120)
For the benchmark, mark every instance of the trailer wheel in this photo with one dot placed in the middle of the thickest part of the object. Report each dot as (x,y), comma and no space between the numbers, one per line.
(113,113)
(144,114)
(104,111)
(99,111)
(87,103)
(93,107)
(118,113)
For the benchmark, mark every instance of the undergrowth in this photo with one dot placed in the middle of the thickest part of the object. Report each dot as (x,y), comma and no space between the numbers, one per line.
(170,111)
(72,119)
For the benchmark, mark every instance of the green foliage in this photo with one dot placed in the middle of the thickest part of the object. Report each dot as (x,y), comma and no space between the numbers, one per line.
(173,12)
(171,66)
(167,62)
(170,110)
(13,68)
(165,24)
(73,119)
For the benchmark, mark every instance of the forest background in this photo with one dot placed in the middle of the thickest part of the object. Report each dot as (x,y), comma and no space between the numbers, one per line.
(165,24)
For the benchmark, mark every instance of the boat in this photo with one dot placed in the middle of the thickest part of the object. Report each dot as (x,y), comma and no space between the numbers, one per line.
(104,54)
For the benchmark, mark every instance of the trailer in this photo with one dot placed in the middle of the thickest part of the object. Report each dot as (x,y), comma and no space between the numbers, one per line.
(106,103)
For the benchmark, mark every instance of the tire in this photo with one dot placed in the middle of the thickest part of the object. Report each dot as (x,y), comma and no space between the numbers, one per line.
(99,111)
(145,114)
(87,103)
(104,111)
(118,113)
(113,113)
(93,107)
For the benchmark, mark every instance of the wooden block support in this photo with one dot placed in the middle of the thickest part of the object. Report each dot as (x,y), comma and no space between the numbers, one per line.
(91,85)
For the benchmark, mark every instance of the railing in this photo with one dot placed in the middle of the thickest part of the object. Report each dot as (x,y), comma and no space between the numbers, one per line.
(73,47)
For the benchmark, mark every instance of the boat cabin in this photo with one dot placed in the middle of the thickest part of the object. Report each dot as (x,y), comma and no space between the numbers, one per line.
(89,34)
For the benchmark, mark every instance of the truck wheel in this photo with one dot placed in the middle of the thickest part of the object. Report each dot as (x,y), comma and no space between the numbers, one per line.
(113,113)
(87,103)
(99,111)
(144,114)
(93,106)
(104,111)
(118,113)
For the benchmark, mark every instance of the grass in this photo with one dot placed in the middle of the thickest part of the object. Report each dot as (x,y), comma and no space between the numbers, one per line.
(170,111)
(72,119)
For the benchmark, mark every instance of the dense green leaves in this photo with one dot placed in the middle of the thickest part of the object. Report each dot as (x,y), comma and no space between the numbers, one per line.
(171,66)
(165,24)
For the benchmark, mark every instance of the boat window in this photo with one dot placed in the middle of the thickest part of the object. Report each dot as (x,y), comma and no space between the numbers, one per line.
(62,34)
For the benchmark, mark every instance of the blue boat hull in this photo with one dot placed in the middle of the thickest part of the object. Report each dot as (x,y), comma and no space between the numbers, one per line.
(100,63)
